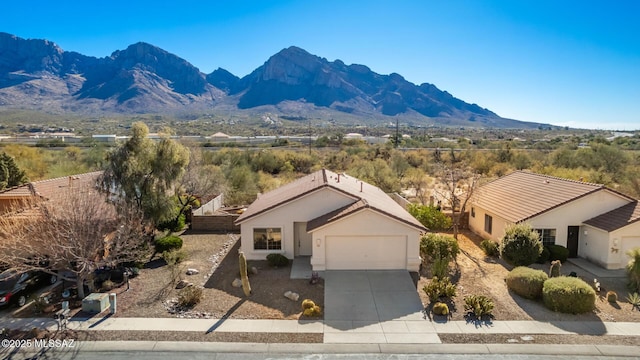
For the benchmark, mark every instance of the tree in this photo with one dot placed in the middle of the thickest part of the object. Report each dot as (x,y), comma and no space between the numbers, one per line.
(429,216)
(78,233)
(460,182)
(10,174)
(144,173)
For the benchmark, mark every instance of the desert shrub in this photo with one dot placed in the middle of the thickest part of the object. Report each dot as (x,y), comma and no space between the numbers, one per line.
(544,256)
(439,250)
(490,247)
(439,246)
(521,245)
(634,300)
(633,269)
(174,225)
(439,288)
(174,257)
(568,295)
(189,296)
(168,243)
(440,309)
(558,252)
(479,305)
(277,260)
(429,216)
(526,282)
(612,296)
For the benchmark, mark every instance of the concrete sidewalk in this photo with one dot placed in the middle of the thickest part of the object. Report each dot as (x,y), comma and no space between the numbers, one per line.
(319,326)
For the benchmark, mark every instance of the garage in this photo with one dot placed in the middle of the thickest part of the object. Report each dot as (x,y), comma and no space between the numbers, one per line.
(629,243)
(366,252)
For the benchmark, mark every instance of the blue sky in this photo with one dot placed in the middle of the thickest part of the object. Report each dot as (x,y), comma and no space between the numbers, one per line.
(564,62)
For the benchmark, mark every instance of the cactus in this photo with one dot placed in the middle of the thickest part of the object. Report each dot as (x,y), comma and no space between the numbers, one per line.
(612,296)
(440,309)
(246,287)
(554,271)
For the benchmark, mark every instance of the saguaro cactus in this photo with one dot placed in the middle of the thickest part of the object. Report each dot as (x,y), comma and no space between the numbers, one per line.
(246,287)
(554,271)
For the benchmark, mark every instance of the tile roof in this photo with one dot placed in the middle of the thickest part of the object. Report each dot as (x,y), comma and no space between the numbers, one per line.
(522,195)
(52,189)
(364,196)
(617,218)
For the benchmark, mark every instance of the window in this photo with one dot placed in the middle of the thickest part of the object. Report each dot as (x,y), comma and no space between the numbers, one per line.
(548,236)
(488,223)
(473,212)
(267,239)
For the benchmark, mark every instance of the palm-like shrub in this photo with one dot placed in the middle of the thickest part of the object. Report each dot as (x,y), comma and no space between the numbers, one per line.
(633,269)
(521,245)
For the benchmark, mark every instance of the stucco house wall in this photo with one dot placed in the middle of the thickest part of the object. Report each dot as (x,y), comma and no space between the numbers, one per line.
(302,209)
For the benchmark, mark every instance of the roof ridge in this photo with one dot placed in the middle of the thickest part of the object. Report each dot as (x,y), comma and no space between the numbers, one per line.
(557,178)
(64,177)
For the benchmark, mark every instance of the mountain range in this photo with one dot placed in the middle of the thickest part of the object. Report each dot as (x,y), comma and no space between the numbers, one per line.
(38,75)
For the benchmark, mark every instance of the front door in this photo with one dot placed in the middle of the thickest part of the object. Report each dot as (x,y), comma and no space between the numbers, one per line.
(302,239)
(572,240)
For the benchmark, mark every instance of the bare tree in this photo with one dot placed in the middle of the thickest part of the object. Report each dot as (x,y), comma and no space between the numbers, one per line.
(75,234)
(460,182)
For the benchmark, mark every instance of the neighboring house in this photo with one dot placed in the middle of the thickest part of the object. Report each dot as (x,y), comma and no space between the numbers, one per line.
(13,199)
(591,220)
(338,220)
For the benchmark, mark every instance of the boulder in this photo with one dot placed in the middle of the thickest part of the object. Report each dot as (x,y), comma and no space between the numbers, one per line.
(291,295)
(193,272)
(236,283)
(254,270)
(183,284)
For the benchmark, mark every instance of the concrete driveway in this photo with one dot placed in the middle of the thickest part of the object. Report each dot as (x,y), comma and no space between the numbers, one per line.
(374,307)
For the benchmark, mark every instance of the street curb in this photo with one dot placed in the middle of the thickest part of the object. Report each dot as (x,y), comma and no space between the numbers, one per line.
(239,348)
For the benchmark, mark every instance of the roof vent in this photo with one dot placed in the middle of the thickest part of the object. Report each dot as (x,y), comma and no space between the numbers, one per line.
(546,181)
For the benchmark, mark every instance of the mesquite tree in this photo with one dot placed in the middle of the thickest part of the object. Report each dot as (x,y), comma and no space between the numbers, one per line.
(75,234)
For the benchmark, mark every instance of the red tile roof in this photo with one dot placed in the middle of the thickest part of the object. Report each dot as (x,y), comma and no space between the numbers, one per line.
(53,189)
(364,196)
(521,195)
(617,218)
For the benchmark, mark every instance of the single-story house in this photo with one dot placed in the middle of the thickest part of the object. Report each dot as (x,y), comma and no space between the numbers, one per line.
(14,198)
(593,221)
(341,222)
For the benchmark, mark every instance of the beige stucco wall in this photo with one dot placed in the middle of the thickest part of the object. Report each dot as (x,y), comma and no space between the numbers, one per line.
(623,240)
(594,246)
(302,209)
(363,223)
(570,214)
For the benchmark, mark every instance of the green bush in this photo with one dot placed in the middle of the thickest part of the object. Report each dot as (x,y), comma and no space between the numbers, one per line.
(173,225)
(434,246)
(108,285)
(440,309)
(490,247)
(307,304)
(544,256)
(568,295)
(558,252)
(429,216)
(189,296)
(277,260)
(633,269)
(168,243)
(439,288)
(521,245)
(526,282)
(479,305)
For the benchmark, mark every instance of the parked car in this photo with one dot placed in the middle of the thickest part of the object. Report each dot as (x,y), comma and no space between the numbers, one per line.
(15,287)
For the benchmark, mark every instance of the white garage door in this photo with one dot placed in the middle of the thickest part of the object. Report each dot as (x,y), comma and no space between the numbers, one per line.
(366,252)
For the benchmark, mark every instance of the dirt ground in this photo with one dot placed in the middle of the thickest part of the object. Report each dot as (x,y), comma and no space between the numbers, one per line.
(475,273)
(152,291)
